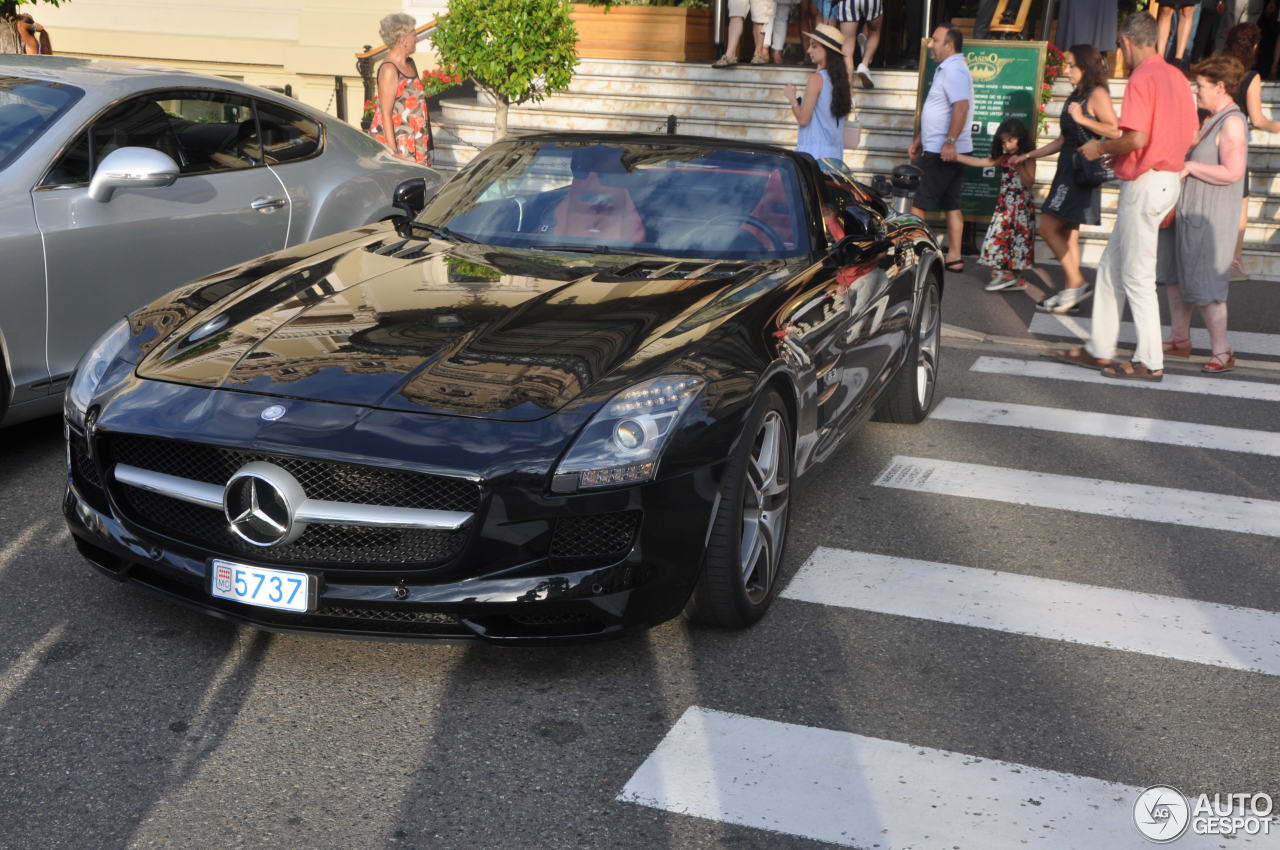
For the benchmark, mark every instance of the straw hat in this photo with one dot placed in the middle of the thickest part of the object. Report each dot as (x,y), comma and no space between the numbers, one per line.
(828,36)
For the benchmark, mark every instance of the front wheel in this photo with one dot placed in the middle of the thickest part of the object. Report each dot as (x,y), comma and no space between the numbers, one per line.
(909,398)
(744,554)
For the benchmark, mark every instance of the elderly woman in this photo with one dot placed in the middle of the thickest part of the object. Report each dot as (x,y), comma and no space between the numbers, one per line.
(400,118)
(1212,189)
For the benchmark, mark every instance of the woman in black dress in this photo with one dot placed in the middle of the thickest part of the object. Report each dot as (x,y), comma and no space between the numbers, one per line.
(1087,114)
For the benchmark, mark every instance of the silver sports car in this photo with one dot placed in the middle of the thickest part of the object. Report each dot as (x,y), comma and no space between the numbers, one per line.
(119,182)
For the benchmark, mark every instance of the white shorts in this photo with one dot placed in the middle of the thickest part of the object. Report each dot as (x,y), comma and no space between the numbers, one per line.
(859,11)
(761,10)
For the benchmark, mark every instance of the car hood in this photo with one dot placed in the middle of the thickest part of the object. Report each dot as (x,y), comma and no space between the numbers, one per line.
(437,327)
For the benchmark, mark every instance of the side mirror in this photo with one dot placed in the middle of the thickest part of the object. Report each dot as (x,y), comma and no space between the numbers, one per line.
(410,196)
(861,223)
(131,168)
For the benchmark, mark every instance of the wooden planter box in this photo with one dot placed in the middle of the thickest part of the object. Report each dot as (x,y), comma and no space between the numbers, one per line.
(661,33)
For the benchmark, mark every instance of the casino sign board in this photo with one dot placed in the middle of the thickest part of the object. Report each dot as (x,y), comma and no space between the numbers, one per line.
(1007,76)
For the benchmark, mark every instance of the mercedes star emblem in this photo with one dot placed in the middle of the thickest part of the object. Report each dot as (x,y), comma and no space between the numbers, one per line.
(260,502)
(272,413)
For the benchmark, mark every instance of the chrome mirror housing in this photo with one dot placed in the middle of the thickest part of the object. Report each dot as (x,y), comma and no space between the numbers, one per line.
(131,168)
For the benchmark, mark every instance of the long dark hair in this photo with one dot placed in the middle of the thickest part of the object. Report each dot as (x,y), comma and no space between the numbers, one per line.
(1092,72)
(1242,43)
(1014,128)
(841,99)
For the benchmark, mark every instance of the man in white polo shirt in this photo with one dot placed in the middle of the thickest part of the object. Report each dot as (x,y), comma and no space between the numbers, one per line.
(944,132)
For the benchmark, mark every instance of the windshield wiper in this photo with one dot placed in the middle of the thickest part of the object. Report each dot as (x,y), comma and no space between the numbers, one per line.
(588,249)
(441,231)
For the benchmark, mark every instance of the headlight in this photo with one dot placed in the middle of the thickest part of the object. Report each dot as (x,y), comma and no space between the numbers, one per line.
(623,442)
(89,372)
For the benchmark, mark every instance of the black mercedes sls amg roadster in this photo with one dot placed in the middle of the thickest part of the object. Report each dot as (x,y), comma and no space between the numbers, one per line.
(570,396)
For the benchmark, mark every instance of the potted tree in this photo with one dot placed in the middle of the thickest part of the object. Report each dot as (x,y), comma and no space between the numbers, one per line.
(514,50)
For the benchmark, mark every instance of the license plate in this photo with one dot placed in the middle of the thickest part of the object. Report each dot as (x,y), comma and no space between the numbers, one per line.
(260,586)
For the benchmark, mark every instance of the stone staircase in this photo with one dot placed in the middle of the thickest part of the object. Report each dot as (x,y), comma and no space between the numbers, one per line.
(747,102)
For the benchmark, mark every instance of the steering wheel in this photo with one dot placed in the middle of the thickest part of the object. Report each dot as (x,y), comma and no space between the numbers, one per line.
(735,220)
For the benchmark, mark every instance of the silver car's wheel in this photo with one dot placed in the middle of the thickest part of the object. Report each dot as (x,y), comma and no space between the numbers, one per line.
(765,502)
(744,553)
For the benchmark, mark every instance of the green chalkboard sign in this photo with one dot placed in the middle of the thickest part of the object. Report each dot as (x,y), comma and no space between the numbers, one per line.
(1007,79)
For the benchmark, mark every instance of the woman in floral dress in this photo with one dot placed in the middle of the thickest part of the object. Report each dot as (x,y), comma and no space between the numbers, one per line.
(401,103)
(1010,244)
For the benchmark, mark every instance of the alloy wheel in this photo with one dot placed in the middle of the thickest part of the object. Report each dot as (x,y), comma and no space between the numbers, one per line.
(765,502)
(929,342)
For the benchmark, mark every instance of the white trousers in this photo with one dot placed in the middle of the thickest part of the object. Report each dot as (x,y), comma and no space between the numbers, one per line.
(1128,269)
(777,35)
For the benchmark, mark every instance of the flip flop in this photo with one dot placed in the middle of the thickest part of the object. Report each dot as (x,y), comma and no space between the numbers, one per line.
(954,266)
(1079,357)
(1132,371)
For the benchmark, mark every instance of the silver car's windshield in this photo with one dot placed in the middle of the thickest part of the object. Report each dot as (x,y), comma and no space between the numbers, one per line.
(669,200)
(27,108)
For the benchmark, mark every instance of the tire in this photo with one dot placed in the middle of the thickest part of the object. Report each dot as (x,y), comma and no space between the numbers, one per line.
(748,538)
(909,398)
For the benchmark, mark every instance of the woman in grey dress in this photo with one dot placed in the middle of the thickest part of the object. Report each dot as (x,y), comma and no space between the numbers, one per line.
(1212,188)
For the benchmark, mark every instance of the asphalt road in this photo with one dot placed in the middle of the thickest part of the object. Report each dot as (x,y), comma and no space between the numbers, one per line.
(128,722)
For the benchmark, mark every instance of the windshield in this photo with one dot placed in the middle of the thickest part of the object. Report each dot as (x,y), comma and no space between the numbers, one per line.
(668,200)
(27,108)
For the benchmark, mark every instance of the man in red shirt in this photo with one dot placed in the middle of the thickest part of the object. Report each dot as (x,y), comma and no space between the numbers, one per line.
(1147,160)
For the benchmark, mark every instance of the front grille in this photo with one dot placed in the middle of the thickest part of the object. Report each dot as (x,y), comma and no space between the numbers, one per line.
(319,546)
(339,546)
(594,535)
(320,479)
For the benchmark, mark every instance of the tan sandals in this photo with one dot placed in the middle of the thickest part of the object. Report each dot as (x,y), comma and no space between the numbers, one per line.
(1079,357)
(1133,371)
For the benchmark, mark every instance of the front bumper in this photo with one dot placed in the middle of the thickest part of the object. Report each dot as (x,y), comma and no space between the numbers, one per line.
(510,581)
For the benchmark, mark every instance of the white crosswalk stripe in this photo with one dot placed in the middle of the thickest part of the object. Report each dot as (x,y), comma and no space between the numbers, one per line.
(1083,495)
(1164,626)
(1081,327)
(1200,384)
(856,791)
(1090,424)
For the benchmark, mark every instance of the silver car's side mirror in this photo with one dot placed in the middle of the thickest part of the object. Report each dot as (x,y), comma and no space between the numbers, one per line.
(131,168)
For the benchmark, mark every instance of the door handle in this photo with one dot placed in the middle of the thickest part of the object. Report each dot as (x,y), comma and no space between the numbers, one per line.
(267,204)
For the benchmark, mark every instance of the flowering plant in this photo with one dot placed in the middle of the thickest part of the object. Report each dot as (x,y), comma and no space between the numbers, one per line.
(438,80)
(1055,64)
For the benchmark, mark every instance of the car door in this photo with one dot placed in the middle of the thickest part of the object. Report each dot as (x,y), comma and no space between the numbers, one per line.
(105,259)
(863,259)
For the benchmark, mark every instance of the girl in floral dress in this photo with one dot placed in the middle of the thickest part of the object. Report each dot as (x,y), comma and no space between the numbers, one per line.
(1010,243)
(401,102)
